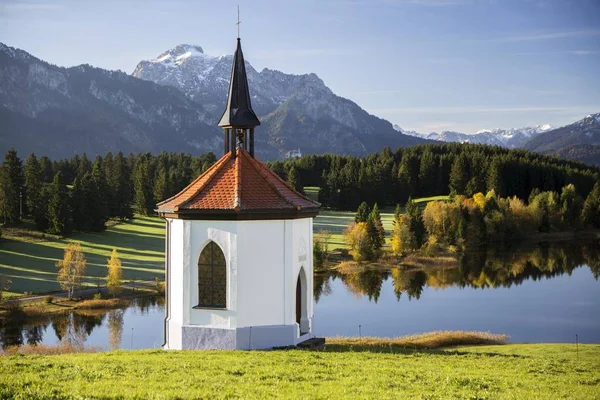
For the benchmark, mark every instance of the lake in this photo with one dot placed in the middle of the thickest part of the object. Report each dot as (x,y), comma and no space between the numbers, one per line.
(544,293)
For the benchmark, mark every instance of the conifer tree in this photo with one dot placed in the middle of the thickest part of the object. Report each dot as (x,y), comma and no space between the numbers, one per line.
(362,215)
(120,186)
(12,186)
(459,174)
(590,215)
(293,181)
(417,227)
(379,236)
(114,279)
(427,173)
(7,196)
(143,199)
(59,213)
(161,190)
(37,203)
(71,269)
(99,191)
(79,206)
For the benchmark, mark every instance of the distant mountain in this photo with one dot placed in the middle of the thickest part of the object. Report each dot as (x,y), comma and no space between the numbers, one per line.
(59,112)
(511,138)
(297,111)
(586,153)
(584,131)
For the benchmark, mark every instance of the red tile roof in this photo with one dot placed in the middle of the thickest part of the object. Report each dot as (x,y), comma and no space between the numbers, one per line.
(239,185)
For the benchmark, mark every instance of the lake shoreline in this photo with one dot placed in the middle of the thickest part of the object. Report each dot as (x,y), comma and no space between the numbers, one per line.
(447,258)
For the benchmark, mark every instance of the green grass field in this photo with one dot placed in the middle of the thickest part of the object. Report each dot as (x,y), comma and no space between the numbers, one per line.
(540,371)
(29,259)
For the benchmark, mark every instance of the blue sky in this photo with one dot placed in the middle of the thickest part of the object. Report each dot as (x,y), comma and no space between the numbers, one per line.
(428,65)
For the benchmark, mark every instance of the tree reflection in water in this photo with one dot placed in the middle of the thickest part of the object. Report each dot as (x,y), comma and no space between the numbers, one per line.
(486,268)
(72,328)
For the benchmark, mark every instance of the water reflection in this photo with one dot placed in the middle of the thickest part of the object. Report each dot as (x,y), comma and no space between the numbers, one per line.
(565,303)
(75,328)
(487,268)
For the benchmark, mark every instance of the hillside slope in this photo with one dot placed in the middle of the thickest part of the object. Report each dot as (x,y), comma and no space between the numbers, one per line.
(583,132)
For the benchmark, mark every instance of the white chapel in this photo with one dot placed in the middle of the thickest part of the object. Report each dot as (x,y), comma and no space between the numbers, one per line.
(239,265)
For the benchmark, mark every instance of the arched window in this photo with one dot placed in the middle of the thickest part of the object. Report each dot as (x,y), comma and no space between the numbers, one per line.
(212,277)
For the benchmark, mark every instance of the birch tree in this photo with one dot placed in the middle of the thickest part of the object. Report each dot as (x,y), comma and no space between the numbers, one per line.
(71,269)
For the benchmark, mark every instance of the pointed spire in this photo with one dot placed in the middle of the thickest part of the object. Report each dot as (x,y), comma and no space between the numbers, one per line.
(238,112)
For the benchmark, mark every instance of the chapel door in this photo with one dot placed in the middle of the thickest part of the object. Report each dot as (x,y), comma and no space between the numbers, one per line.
(298,301)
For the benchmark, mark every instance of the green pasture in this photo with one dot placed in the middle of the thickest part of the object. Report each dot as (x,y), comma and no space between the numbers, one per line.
(29,258)
(522,371)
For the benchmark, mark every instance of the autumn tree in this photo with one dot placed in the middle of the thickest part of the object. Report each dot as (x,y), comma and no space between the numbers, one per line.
(357,239)
(403,239)
(114,279)
(571,205)
(71,268)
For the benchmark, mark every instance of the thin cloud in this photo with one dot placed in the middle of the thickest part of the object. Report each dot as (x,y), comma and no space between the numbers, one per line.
(569,52)
(29,6)
(550,36)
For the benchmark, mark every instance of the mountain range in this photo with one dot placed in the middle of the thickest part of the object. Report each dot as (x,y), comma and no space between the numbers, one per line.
(577,141)
(511,138)
(173,103)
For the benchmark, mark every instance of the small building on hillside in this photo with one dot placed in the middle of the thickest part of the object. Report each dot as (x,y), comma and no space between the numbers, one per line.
(296,153)
(239,266)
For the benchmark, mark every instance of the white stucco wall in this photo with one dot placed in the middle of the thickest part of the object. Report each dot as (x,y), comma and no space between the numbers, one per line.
(263,262)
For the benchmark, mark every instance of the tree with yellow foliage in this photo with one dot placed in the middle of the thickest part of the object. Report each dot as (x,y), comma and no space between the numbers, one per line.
(114,279)
(71,269)
(358,240)
(403,239)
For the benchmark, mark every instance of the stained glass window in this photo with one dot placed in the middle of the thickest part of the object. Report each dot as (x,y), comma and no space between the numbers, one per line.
(212,277)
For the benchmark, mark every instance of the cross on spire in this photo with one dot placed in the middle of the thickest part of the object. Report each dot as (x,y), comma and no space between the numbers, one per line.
(238,21)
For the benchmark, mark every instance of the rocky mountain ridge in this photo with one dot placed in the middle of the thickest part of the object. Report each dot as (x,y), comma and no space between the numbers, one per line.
(511,138)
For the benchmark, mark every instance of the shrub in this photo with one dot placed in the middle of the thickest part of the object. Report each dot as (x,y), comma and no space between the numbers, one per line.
(97,296)
(319,252)
(48,299)
(160,286)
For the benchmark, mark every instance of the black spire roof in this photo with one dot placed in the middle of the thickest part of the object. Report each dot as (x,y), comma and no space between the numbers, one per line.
(239,109)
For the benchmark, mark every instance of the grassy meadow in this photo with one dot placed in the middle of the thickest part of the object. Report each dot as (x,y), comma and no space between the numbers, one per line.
(539,371)
(29,258)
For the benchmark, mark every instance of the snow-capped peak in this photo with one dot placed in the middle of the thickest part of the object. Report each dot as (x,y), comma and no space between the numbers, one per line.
(179,53)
